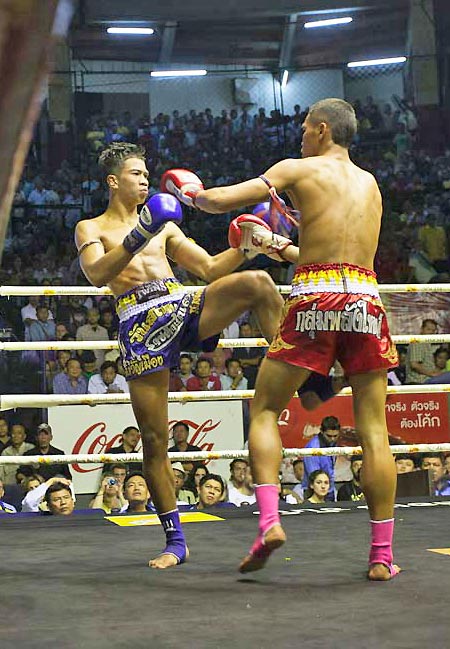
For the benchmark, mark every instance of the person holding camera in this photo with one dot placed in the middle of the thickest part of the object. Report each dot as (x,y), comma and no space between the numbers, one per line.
(109,496)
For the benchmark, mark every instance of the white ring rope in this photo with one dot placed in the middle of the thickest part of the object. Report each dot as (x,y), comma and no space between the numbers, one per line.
(11,401)
(85,458)
(224,343)
(9,291)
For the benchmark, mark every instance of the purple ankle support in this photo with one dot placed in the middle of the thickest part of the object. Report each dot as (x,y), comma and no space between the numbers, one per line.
(267,499)
(381,548)
(175,541)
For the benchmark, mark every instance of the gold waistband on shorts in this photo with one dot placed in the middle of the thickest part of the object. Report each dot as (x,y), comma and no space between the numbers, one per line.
(334,278)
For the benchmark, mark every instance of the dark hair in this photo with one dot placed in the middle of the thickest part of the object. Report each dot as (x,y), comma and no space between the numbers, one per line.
(181,423)
(439,456)
(213,476)
(330,423)
(429,320)
(204,359)
(355,458)
(340,117)
(232,360)
(406,456)
(186,356)
(88,356)
(56,486)
(70,360)
(118,465)
(112,158)
(189,483)
(236,460)
(128,428)
(133,474)
(299,460)
(106,365)
(439,350)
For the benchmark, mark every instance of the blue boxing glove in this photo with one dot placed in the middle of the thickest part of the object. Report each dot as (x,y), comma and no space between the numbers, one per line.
(159,209)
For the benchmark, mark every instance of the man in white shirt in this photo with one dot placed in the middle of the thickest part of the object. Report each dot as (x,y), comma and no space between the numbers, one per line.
(234,378)
(93,331)
(108,381)
(239,491)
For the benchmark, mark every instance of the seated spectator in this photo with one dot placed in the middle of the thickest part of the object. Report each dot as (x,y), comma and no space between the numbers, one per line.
(93,331)
(352,490)
(330,429)
(59,498)
(447,464)
(210,491)
(404,463)
(35,488)
(130,440)
(397,376)
(5,508)
(204,379)
(250,357)
(234,378)
(440,356)
(108,381)
(180,434)
(136,494)
(240,491)
(109,496)
(185,371)
(193,479)
(434,463)
(108,321)
(182,495)
(5,439)
(43,446)
(88,364)
(18,447)
(72,380)
(42,328)
(118,471)
(218,358)
(299,473)
(419,359)
(318,487)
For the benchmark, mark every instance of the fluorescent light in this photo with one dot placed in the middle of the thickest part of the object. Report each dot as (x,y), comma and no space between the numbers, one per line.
(284,78)
(130,30)
(178,73)
(360,64)
(328,23)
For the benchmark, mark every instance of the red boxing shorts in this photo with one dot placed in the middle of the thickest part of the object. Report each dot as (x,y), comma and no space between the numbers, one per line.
(334,312)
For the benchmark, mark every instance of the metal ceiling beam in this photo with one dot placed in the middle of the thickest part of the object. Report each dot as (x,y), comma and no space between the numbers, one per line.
(167,41)
(287,44)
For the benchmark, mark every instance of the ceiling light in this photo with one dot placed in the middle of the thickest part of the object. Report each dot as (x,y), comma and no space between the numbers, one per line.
(284,78)
(131,30)
(328,23)
(178,73)
(361,64)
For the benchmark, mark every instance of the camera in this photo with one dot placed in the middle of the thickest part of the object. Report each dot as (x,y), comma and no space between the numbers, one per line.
(112,481)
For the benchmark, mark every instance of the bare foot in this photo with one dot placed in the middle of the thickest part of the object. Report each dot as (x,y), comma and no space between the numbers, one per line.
(166,560)
(380,572)
(256,559)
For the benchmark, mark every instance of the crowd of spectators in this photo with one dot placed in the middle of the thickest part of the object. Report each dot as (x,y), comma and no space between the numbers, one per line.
(48,488)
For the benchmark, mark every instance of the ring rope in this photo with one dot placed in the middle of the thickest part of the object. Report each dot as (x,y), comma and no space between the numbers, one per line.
(195,456)
(16,291)
(11,401)
(224,343)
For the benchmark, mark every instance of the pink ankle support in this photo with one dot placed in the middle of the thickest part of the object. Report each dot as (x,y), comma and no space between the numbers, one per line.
(381,548)
(267,499)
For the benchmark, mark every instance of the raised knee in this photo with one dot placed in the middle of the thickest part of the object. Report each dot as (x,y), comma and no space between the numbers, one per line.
(257,283)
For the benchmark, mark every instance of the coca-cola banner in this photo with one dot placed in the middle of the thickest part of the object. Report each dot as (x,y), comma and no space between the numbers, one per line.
(412,418)
(84,429)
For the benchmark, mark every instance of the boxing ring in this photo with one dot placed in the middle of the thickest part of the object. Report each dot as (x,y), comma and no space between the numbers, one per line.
(83,580)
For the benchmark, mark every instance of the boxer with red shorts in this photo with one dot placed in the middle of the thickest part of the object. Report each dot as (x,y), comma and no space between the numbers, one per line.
(333,313)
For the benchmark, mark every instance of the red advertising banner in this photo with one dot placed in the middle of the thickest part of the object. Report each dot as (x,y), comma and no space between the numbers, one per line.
(412,418)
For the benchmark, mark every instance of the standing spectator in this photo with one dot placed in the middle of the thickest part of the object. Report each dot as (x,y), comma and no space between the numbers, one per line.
(93,331)
(250,357)
(352,490)
(240,492)
(419,358)
(234,378)
(5,439)
(72,380)
(130,439)
(108,381)
(318,487)
(5,508)
(330,429)
(203,380)
(18,447)
(180,434)
(43,446)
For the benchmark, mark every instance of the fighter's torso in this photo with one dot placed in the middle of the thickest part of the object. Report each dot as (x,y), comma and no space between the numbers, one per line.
(341,212)
(150,263)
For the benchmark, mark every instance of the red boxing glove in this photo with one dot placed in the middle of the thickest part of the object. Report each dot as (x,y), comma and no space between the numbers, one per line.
(183,184)
(252,235)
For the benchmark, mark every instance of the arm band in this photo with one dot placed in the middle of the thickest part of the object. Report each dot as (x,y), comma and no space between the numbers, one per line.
(86,244)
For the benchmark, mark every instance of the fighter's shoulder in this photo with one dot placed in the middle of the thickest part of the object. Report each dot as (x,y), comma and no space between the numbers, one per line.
(88,228)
